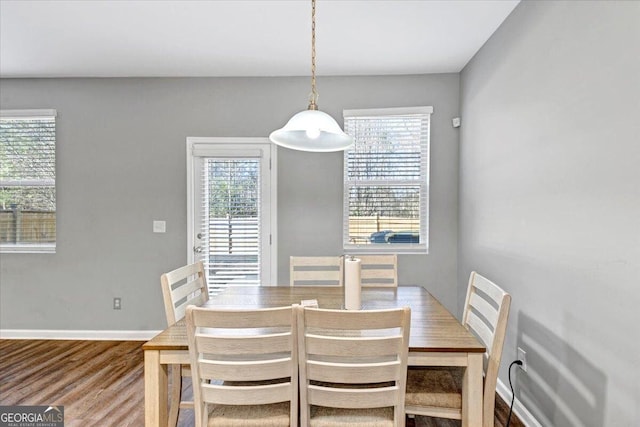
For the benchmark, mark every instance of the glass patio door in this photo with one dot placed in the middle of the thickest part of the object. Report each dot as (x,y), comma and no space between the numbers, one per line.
(231,211)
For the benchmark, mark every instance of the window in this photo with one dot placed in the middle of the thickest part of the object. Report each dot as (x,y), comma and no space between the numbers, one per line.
(386,180)
(27,181)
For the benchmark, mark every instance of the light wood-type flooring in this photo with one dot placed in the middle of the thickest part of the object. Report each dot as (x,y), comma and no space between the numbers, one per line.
(101,383)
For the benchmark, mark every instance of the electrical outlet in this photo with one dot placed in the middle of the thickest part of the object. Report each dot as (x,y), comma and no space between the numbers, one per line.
(522,356)
(117,303)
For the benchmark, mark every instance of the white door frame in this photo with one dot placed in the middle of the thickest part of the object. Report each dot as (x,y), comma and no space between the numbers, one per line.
(273,205)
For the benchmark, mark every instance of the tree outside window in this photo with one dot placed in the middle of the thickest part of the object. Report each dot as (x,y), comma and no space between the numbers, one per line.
(27,180)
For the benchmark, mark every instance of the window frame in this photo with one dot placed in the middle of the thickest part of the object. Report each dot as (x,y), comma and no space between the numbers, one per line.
(425,143)
(36,248)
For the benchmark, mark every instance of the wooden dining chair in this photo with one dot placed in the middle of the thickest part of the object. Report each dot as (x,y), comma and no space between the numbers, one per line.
(244,365)
(353,366)
(437,392)
(181,287)
(316,270)
(379,270)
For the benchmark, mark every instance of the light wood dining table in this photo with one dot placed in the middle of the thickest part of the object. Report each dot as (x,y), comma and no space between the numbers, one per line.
(437,338)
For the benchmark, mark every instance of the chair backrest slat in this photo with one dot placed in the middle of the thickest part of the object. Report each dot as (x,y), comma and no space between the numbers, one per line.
(188,288)
(351,320)
(246,371)
(246,319)
(488,287)
(352,373)
(379,270)
(483,307)
(480,329)
(353,398)
(256,394)
(256,344)
(353,346)
(316,270)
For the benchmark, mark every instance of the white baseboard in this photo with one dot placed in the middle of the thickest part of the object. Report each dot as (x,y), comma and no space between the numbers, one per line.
(518,408)
(46,334)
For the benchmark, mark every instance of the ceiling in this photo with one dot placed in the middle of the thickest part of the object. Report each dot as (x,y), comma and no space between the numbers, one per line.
(123,38)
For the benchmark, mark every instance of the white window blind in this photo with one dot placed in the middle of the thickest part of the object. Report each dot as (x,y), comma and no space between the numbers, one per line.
(230,221)
(386,180)
(27,180)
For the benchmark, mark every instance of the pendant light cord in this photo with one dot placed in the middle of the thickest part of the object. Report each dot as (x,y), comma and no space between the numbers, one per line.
(313,97)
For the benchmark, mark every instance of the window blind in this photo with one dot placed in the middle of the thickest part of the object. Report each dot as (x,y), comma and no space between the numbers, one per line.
(27,180)
(386,176)
(230,220)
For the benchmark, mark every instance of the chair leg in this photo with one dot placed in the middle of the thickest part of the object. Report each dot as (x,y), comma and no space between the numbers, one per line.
(410,420)
(175,394)
(488,412)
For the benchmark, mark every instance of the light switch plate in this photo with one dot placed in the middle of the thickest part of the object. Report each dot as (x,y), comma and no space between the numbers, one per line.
(159,226)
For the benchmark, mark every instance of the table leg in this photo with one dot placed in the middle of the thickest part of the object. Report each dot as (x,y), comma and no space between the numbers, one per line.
(472,393)
(155,390)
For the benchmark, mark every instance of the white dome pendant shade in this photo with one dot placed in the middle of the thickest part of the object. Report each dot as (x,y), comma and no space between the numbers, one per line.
(312,130)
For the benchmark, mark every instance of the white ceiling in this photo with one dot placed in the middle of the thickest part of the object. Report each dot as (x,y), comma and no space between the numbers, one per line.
(114,38)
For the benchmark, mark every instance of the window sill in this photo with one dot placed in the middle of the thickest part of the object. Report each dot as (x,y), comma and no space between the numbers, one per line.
(387,248)
(27,249)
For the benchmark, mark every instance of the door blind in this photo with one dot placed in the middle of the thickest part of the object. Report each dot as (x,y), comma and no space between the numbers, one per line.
(230,212)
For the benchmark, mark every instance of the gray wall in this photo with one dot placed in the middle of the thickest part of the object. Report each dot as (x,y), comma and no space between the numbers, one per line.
(550,202)
(121,164)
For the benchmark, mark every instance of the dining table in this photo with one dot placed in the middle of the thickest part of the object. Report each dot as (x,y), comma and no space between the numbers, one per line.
(437,338)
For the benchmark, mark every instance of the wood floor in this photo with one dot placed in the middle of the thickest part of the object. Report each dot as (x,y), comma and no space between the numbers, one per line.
(101,383)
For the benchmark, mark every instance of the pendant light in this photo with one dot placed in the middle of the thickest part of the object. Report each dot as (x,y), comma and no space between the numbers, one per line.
(311,129)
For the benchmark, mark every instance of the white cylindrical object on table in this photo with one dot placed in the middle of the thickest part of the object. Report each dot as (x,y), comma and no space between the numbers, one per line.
(352,283)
